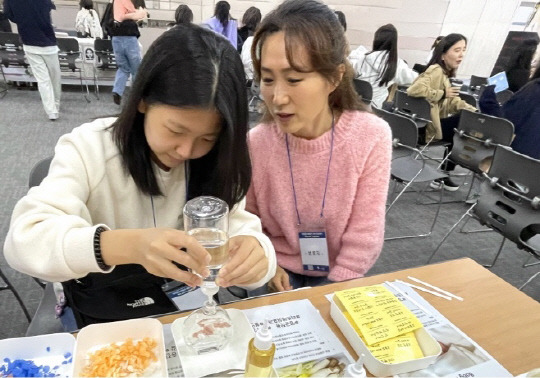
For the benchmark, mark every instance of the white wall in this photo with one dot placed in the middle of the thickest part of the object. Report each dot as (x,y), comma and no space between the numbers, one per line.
(484,22)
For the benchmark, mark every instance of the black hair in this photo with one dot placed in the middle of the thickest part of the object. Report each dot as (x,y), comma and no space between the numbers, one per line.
(86,4)
(312,25)
(436,41)
(342,20)
(190,67)
(251,19)
(522,56)
(183,14)
(386,39)
(442,48)
(221,12)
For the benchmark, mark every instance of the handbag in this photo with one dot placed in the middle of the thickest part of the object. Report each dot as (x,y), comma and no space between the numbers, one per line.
(128,292)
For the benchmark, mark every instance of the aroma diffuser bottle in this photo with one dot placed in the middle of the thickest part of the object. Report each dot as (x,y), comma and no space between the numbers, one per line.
(260,354)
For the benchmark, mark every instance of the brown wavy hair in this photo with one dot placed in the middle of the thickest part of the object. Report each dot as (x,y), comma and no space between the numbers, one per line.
(312,25)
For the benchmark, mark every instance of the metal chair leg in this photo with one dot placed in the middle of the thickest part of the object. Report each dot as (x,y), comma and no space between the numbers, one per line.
(472,231)
(87,95)
(10,287)
(529,280)
(5,90)
(432,224)
(496,256)
(527,264)
(467,213)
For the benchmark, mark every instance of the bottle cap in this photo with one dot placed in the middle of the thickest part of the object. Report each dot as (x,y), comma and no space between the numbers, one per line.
(263,337)
(357,369)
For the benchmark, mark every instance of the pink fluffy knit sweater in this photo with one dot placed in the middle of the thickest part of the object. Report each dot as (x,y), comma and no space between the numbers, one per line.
(355,201)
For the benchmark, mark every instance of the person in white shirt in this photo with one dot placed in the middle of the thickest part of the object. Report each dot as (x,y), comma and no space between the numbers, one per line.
(87,22)
(108,216)
(381,66)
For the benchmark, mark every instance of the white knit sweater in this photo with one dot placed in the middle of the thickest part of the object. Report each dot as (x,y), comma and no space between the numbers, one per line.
(52,227)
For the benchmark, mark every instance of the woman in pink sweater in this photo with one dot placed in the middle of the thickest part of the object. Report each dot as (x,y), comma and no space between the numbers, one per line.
(321,164)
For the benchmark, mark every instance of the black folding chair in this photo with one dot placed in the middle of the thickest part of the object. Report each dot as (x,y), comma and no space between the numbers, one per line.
(69,55)
(11,55)
(364,90)
(105,59)
(409,166)
(509,202)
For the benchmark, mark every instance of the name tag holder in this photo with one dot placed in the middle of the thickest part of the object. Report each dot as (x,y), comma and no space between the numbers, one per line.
(314,247)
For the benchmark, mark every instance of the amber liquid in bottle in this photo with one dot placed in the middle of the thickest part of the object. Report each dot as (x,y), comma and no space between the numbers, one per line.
(259,361)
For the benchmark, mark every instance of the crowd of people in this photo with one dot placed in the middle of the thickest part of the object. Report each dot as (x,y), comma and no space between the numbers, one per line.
(109,213)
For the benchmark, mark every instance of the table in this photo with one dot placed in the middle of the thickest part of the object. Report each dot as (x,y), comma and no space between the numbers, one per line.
(502,319)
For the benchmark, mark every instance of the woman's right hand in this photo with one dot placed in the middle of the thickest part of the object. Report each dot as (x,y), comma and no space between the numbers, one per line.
(280,282)
(157,249)
(452,92)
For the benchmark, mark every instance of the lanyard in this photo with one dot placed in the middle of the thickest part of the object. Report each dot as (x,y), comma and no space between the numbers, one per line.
(327,174)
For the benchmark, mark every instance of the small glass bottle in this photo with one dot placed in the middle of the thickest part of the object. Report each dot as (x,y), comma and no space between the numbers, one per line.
(260,355)
(356,370)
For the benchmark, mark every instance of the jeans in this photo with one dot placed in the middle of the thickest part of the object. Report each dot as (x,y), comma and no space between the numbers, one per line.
(128,59)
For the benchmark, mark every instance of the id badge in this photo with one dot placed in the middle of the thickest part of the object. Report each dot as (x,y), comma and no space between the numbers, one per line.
(314,248)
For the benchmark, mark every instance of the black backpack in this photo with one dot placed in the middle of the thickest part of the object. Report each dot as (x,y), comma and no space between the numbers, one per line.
(107,21)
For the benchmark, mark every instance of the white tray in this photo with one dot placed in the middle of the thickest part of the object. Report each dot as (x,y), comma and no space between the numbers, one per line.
(430,347)
(53,350)
(102,334)
(233,356)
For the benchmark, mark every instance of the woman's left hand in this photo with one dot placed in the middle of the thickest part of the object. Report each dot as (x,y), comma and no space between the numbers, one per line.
(247,264)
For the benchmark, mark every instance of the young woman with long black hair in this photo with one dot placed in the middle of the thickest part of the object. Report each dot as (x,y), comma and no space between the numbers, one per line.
(108,216)
(381,66)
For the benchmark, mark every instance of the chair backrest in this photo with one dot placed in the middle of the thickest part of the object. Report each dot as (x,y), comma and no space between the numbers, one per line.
(404,132)
(39,172)
(476,138)
(469,99)
(103,45)
(364,90)
(509,200)
(68,45)
(416,108)
(504,96)
(11,50)
(105,54)
(69,52)
(477,81)
(420,68)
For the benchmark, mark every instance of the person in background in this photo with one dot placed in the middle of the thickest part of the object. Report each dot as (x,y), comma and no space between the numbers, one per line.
(87,22)
(250,21)
(127,51)
(183,15)
(435,43)
(106,220)
(523,110)
(34,25)
(321,163)
(342,19)
(518,69)
(223,23)
(434,85)
(381,66)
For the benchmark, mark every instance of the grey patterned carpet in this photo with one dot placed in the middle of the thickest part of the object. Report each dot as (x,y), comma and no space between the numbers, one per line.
(27,136)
